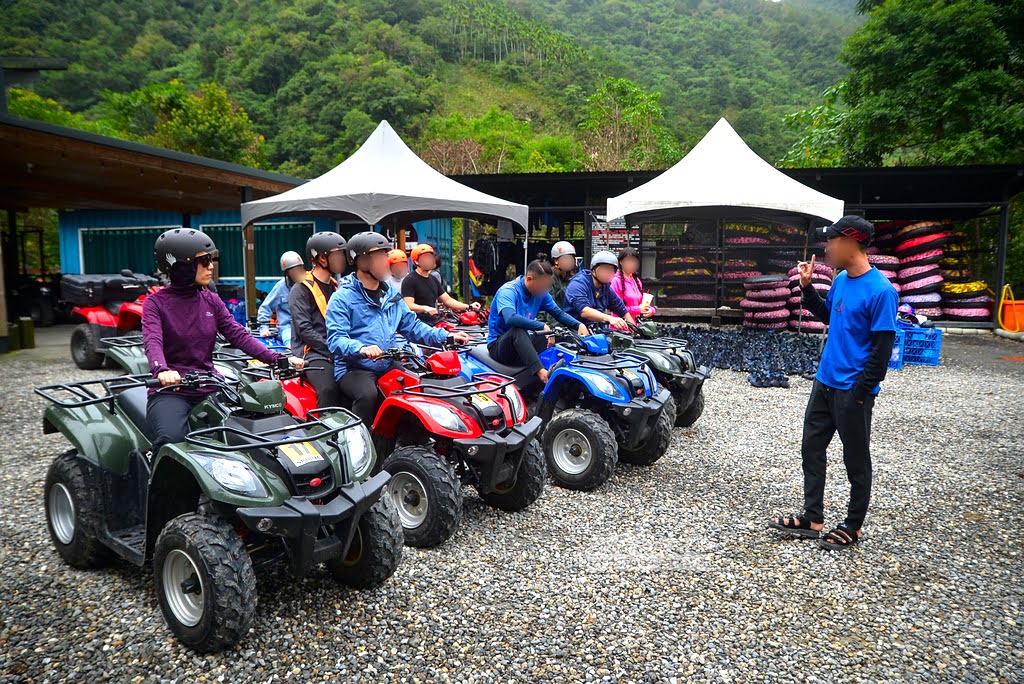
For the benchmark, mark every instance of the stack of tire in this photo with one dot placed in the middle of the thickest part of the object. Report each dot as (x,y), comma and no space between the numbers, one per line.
(800,319)
(964,298)
(698,290)
(887,265)
(734,273)
(920,249)
(739,234)
(764,304)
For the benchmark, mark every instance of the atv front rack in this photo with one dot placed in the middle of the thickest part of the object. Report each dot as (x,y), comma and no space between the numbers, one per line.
(616,363)
(123,342)
(264,439)
(86,393)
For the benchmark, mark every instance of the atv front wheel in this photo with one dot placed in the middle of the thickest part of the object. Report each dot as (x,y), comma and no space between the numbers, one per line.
(85,347)
(427,494)
(527,485)
(581,449)
(656,444)
(73,513)
(204,582)
(687,416)
(376,548)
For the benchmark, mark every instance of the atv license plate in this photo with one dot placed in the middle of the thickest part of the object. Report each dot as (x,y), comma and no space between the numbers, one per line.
(300,454)
(629,374)
(256,363)
(481,401)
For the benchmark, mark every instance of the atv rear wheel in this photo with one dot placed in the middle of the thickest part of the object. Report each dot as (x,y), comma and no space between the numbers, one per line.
(376,548)
(581,449)
(526,487)
(427,494)
(85,347)
(656,444)
(687,416)
(73,513)
(204,582)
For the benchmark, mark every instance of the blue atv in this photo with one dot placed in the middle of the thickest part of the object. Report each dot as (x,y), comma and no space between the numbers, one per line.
(598,407)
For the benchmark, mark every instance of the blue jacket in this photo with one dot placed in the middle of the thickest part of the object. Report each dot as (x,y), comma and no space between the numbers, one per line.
(580,293)
(514,306)
(355,321)
(277,301)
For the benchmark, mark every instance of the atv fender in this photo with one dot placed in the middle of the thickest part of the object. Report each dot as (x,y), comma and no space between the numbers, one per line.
(564,374)
(96,315)
(100,433)
(393,408)
(180,454)
(132,359)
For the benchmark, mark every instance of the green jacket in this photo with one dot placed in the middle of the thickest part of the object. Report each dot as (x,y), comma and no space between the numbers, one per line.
(557,293)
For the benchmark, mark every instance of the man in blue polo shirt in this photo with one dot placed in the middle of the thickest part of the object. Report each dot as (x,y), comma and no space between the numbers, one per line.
(589,295)
(514,316)
(860,310)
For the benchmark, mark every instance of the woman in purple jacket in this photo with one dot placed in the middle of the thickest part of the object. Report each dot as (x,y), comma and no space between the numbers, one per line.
(179,329)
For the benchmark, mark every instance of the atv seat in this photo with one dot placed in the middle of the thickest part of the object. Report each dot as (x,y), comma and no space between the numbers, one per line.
(480,353)
(133,403)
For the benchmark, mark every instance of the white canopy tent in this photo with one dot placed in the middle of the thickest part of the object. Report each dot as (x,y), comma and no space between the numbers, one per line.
(382,182)
(722,178)
(385,179)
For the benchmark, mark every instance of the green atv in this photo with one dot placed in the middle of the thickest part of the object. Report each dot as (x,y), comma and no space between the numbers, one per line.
(128,354)
(249,487)
(674,367)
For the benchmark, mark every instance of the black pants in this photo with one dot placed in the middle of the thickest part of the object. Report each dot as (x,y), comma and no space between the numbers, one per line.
(167,413)
(518,347)
(322,380)
(829,411)
(359,387)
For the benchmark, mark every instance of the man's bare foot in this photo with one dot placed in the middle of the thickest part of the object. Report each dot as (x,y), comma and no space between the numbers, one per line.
(542,374)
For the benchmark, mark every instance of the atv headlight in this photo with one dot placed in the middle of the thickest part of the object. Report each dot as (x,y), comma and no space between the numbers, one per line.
(604,384)
(232,475)
(360,453)
(445,417)
(515,400)
(660,361)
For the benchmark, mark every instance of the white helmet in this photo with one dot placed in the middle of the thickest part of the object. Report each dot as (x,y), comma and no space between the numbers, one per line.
(290,260)
(561,249)
(604,257)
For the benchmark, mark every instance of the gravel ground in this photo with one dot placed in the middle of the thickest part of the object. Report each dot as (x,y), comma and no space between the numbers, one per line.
(664,574)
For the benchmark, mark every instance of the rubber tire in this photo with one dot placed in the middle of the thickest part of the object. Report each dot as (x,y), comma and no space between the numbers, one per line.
(657,442)
(85,347)
(602,443)
(226,569)
(444,489)
(85,550)
(692,413)
(528,485)
(376,548)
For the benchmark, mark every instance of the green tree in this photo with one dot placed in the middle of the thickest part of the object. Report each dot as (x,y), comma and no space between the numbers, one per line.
(623,128)
(935,81)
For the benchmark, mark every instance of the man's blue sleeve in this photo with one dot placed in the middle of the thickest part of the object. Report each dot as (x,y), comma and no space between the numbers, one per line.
(577,296)
(616,304)
(270,304)
(516,320)
(884,311)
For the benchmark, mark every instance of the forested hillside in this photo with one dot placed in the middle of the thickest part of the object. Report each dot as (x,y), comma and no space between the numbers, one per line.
(484,85)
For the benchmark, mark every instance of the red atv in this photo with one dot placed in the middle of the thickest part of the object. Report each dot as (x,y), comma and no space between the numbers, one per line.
(104,306)
(442,433)
(449,433)
(460,320)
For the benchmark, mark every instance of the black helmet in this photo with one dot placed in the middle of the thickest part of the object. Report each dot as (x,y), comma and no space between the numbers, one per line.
(181,245)
(364,243)
(323,243)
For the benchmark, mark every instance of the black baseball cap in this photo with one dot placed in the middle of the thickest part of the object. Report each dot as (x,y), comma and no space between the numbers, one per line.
(855,227)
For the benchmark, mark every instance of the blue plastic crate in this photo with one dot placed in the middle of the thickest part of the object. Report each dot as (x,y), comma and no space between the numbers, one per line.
(922,346)
(896,360)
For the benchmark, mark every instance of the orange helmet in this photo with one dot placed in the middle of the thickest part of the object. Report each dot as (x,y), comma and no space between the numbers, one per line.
(397,256)
(419,250)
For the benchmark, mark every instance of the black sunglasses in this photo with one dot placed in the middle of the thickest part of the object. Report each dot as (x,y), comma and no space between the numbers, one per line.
(206,261)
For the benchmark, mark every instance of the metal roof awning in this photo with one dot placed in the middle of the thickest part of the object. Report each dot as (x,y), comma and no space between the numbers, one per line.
(44,165)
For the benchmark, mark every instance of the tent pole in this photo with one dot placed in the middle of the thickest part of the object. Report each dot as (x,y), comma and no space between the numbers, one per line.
(466,289)
(1004,234)
(249,260)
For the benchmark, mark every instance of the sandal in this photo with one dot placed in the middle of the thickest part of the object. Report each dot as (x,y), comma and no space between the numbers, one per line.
(794,524)
(842,537)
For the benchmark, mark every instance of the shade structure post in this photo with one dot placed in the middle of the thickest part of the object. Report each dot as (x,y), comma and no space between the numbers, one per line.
(1004,235)
(249,260)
